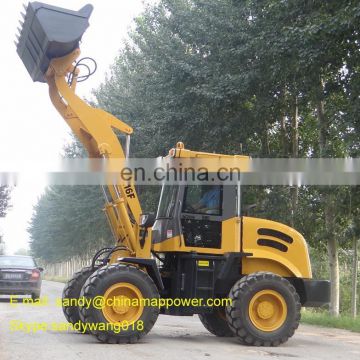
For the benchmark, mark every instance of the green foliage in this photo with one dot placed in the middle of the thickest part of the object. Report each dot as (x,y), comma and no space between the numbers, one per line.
(323,319)
(217,74)
(67,222)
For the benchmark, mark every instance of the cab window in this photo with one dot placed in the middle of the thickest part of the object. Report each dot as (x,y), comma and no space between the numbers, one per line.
(203,199)
(167,201)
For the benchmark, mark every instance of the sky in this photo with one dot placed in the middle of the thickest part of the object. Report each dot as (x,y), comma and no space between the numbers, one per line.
(31,130)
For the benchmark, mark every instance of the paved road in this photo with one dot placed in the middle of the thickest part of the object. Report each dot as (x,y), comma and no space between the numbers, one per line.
(171,338)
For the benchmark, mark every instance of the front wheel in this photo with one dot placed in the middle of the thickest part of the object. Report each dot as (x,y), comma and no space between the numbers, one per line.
(122,304)
(71,295)
(216,323)
(265,309)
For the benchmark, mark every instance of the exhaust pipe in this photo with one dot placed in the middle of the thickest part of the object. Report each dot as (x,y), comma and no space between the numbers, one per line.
(47,32)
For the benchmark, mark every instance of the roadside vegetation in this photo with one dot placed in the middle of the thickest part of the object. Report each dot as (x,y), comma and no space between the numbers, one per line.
(323,318)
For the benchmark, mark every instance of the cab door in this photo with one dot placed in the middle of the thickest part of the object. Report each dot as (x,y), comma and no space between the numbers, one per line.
(201,216)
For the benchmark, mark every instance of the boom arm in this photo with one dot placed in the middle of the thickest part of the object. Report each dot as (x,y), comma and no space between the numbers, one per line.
(94,128)
(48,45)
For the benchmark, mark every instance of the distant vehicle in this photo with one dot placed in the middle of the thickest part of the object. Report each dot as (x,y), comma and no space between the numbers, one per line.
(19,275)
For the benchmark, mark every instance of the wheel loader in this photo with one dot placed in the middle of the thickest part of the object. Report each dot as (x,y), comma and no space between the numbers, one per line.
(197,249)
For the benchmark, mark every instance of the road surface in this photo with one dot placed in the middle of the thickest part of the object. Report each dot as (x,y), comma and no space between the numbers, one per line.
(171,338)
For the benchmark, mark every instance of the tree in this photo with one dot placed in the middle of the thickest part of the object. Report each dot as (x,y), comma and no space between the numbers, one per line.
(68,221)
(4,200)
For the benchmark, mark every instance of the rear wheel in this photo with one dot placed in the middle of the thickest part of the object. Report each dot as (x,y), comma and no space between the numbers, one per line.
(123,314)
(216,323)
(265,309)
(71,293)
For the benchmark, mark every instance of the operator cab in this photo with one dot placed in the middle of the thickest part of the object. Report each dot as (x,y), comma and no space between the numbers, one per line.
(193,215)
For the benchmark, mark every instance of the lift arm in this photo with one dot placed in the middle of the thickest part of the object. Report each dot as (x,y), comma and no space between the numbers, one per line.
(48,45)
(95,129)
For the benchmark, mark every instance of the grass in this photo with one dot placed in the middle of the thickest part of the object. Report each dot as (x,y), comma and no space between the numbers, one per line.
(324,319)
(56,278)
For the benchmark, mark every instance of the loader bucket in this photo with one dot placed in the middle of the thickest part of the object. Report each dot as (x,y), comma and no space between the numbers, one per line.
(49,32)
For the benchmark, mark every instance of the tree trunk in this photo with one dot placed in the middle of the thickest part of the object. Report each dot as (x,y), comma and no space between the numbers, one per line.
(329,203)
(265,139)
(283,135)
(295,129)
(294,190)
(322,121)
(333,255)
(334,276)
(354,279)
(284,146)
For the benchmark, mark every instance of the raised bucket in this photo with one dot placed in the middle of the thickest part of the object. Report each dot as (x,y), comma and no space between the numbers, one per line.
(49,32)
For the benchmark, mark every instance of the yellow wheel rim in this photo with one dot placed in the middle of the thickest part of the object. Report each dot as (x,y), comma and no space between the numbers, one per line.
(267,310)
(123,303)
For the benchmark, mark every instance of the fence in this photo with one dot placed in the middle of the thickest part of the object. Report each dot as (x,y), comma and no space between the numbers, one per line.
(64,269)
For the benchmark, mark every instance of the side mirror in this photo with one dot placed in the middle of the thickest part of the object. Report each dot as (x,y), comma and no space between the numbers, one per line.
(41,269)
(147,220)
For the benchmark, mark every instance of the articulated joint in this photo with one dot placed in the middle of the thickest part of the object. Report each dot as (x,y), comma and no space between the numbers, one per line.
(63,65)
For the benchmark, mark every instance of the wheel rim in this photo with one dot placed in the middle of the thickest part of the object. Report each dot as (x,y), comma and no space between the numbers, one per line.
(123,303)
(267,310)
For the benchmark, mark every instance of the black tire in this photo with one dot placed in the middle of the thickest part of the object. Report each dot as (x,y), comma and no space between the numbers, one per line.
(238,312)
(97,285)
(72,291)
(216,323)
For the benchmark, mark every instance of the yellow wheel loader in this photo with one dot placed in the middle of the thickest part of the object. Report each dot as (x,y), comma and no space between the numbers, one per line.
(245,277)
